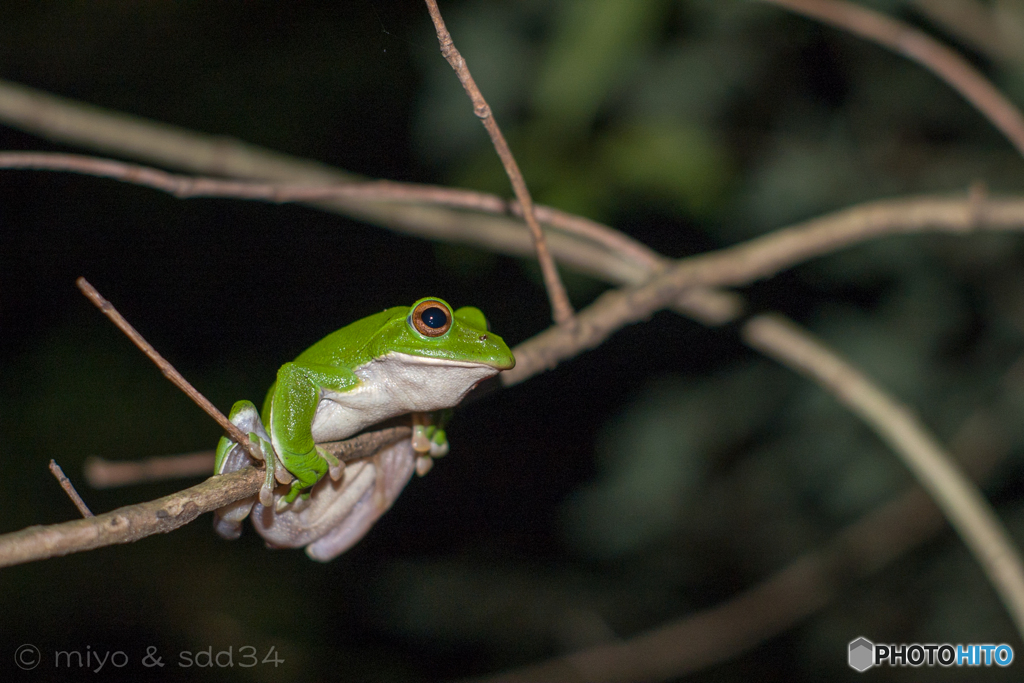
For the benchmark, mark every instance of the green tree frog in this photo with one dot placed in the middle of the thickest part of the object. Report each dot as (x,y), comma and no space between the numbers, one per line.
(418,359)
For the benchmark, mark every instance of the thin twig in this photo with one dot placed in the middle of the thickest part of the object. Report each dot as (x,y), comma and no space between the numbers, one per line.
(102,473)
(69,489)
(560,305)
(187,187)
(166,368)
(962,503)
(923,49)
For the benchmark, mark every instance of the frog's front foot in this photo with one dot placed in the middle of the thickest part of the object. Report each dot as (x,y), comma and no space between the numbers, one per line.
(307,469)
(428,442)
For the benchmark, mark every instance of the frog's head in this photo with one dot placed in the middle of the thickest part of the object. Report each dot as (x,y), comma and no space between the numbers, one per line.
(434,332)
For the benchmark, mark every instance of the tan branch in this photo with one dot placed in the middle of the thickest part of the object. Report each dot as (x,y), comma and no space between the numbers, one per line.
(166,368)
(186,187)
(129,523)
(560,305)
(621,259)
(134,522)
(961,502)
(903,39)
(756,259)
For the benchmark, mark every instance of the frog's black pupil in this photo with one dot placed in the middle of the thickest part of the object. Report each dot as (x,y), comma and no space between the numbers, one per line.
(435,318)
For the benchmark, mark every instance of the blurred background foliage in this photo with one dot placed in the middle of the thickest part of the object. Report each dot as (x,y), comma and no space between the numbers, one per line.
(655,476)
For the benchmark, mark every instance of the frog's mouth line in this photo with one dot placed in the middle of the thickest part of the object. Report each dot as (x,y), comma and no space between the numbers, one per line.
(410,359)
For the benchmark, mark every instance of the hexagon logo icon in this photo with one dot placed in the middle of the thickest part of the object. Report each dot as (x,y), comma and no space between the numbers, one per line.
(862,654)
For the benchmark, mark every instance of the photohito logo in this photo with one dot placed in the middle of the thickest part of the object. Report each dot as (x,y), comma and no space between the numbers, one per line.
(863,654)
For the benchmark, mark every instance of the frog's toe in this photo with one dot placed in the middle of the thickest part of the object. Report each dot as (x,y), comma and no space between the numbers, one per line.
(289,498)
(335,467)
(266,496)
(439,444)
(227,521)
(423,464)
(420,439)
(282,476)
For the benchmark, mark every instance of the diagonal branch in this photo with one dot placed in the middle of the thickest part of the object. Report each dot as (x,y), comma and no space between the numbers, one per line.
(166,368)
(69,489)
(560,304)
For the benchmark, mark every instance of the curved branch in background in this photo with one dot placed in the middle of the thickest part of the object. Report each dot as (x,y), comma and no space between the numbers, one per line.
(190,187)
(802,588)
(906,40)
(685,286)
(962,503)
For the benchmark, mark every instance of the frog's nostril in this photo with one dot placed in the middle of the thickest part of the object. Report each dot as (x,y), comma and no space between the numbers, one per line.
(483,337)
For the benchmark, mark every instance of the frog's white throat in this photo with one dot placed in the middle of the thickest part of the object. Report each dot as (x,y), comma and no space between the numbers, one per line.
(395,384)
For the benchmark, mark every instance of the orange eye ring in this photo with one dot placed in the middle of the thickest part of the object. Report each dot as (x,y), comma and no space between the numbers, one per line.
(431,318)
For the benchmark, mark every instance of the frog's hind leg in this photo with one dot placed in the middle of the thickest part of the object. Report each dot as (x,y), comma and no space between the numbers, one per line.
(231,456)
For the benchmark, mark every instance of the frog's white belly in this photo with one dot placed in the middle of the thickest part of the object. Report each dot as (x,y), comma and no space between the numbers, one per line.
(392,385)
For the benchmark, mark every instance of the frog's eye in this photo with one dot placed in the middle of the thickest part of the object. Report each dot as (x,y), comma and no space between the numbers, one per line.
(431,318)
